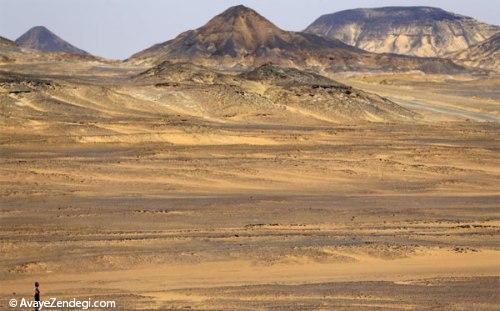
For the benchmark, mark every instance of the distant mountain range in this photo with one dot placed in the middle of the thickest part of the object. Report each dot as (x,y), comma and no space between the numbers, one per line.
(379,39)
(40,38)
(416,31)
(240,37)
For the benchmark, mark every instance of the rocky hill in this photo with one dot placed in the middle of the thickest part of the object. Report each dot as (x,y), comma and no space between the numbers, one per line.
(273,74)
(321,96)
(268,93)
(240,38)
(168,72)
(418,31)
(4,42)
(40,38)
(7,47)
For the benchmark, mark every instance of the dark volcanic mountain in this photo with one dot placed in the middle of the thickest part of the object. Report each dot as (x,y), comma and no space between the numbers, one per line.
(485,54)
(40,38)
(419,31)
(11,53)
(240,37)
(238,33)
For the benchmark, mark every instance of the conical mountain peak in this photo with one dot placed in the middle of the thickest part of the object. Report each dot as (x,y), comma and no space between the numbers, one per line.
(238,10)
(240,19)
(41,29)
(41,38)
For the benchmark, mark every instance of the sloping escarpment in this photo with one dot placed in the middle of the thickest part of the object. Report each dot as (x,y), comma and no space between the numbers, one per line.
(416,31)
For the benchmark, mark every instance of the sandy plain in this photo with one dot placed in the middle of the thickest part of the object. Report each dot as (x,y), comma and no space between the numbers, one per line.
(134,193)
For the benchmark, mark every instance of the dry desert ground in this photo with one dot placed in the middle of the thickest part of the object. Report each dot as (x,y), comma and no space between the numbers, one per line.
(198,196)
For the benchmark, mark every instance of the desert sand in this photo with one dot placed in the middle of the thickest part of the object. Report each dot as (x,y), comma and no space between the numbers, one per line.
(172,196)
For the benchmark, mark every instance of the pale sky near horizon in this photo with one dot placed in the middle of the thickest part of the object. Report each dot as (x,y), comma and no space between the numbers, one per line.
(118,28)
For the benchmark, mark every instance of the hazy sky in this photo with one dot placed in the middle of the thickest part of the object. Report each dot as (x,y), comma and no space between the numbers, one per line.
(119,28)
